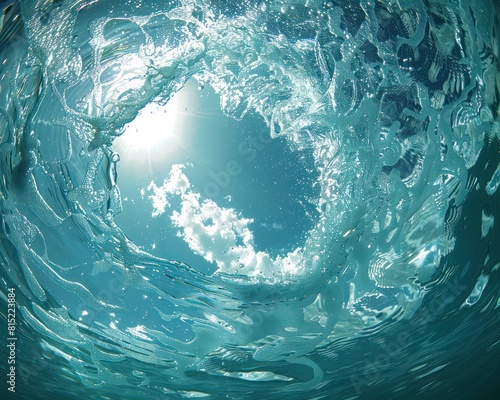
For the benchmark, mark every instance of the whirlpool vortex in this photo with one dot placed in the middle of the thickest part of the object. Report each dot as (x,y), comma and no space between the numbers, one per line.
(372,273)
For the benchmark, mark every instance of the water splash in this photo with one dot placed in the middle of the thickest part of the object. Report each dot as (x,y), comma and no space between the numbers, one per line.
(398,104)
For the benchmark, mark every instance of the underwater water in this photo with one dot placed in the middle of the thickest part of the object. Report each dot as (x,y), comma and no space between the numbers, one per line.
(250,200)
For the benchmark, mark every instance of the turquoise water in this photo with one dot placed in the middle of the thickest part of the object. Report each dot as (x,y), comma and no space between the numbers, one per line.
(257,200)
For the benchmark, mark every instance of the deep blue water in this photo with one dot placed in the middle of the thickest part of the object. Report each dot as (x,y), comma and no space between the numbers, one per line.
(250,200)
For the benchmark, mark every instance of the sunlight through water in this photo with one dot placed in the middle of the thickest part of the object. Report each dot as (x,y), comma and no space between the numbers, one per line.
(263,199)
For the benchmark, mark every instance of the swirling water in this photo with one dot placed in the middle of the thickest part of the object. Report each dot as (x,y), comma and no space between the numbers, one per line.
(385,112)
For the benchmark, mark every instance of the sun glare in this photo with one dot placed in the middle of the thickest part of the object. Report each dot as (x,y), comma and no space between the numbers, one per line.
(155,127)
(160,132)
